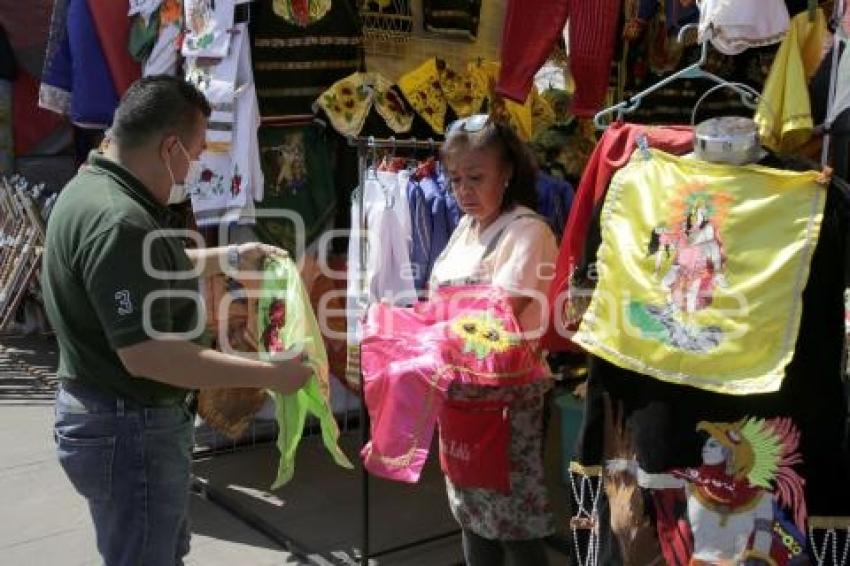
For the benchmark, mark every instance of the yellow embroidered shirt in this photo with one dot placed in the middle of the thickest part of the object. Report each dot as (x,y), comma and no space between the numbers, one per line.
(348,103)
(784,114)
(433,87)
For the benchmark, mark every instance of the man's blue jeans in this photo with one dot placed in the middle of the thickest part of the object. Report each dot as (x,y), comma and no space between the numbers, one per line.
(133,466)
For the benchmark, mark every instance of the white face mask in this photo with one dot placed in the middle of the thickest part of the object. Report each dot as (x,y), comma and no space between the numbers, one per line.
(181,191)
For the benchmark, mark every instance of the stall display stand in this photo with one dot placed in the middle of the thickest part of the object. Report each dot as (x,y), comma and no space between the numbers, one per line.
(22,233)
(368,147)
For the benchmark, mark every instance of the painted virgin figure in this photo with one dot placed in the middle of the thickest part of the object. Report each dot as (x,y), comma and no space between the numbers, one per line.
(698,258)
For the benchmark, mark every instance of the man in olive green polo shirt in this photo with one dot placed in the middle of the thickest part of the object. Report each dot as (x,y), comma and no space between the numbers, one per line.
(122,294)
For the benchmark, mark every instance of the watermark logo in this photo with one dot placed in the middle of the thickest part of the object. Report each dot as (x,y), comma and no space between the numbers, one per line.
(340,307)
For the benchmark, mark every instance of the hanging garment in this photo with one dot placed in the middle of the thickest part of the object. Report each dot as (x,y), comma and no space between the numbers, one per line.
(527,118)
(734,26)
(232,319)
(842,81)
(658,445)
(113,31)
(613,151)
(452,17)
(145,9)
(563,149)
(681,295)
(438,93)
(784,113)
(350,100)
(302,13)
(300,49)
(676,14)
(208,27)
(7,75)
(531,28)
(76,81)
(287,322)
(554,200)
(164,55)
(327,291)
(388,273)
(7,155)
(143,35)
(232,174)
(654,55)
(434,215)
(30,124)
(299,197)
(411,356)
(433,88)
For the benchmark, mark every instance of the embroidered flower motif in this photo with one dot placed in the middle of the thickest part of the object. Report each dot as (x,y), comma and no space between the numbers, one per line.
(349,101)
(302,13)
(392,101)
(170,12)
(464,93)
(423,89)
(483,335)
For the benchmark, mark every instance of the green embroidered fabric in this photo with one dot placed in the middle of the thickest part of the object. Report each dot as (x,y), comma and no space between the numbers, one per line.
(297,329)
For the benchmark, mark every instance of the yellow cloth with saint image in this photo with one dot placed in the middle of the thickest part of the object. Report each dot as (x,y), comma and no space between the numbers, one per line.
(701,270)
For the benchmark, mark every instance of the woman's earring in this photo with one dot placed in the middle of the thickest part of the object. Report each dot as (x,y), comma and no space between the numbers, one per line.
(507,182)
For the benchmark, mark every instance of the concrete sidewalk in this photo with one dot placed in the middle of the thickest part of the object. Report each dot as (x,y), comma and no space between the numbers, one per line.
(43,521)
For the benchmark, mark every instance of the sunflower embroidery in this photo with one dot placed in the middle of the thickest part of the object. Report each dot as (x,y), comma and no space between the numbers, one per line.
(483,335)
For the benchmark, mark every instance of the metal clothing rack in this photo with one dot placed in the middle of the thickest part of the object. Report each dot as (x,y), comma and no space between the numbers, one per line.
(368,147)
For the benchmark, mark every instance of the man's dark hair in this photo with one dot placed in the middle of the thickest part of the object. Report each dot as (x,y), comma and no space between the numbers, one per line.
(157,105)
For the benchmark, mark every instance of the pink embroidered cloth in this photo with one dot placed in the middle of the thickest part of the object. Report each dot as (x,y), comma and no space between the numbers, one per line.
(410,357)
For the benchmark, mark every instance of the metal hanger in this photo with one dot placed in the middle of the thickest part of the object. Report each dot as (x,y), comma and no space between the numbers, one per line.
(695,71)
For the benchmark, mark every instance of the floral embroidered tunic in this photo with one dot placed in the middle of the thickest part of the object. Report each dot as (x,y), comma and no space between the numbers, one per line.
(524,245)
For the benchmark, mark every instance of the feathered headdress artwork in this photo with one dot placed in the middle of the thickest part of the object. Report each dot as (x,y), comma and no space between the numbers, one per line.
(698,195)
(764,452)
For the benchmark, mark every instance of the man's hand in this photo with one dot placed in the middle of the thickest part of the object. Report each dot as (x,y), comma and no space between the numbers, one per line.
(293,376)
(252,255)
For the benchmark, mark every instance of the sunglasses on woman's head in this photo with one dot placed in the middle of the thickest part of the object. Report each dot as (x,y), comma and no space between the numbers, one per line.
(470,124)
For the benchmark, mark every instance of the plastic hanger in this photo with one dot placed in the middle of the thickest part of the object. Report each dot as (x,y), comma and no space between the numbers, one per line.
(694,71)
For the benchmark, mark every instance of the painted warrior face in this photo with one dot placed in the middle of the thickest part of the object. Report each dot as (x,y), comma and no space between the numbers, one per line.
(714,453)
